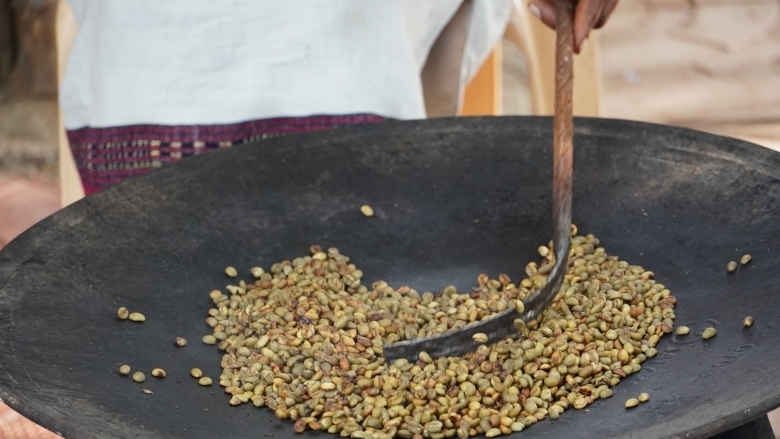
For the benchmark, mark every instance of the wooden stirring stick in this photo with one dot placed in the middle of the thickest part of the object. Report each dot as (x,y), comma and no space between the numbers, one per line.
(502,325)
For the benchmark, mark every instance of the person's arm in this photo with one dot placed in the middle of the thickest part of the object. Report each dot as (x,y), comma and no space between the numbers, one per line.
(589,14)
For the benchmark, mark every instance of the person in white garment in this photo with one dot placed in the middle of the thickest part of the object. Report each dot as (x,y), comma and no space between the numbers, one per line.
(149,82)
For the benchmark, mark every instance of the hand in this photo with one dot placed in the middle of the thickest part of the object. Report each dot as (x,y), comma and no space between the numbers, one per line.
(588,14)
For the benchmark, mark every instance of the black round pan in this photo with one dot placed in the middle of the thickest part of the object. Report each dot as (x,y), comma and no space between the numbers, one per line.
(453,198)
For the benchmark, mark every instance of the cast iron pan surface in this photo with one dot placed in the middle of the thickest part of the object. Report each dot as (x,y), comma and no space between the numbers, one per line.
(453,198)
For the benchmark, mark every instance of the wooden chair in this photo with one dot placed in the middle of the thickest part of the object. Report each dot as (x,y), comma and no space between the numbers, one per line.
(483,95)
(71,189)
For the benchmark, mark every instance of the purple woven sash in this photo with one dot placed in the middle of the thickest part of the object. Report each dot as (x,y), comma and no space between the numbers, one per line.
(106,156)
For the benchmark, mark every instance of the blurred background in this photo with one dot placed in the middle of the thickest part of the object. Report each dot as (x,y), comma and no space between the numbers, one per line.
(712,65)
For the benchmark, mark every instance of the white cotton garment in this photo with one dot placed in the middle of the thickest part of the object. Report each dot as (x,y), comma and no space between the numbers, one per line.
(192,62)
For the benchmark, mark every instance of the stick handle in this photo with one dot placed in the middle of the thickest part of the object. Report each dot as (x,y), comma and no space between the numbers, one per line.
(563,129)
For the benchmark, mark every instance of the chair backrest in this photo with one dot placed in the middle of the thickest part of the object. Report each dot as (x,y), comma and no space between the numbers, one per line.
(484,94)
(537,42)
(71,189)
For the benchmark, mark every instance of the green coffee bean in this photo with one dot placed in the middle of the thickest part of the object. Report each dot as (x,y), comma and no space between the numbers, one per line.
(709,333)
(305,339)
(480,337)
(493,432)
(137,317)
(652,352)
